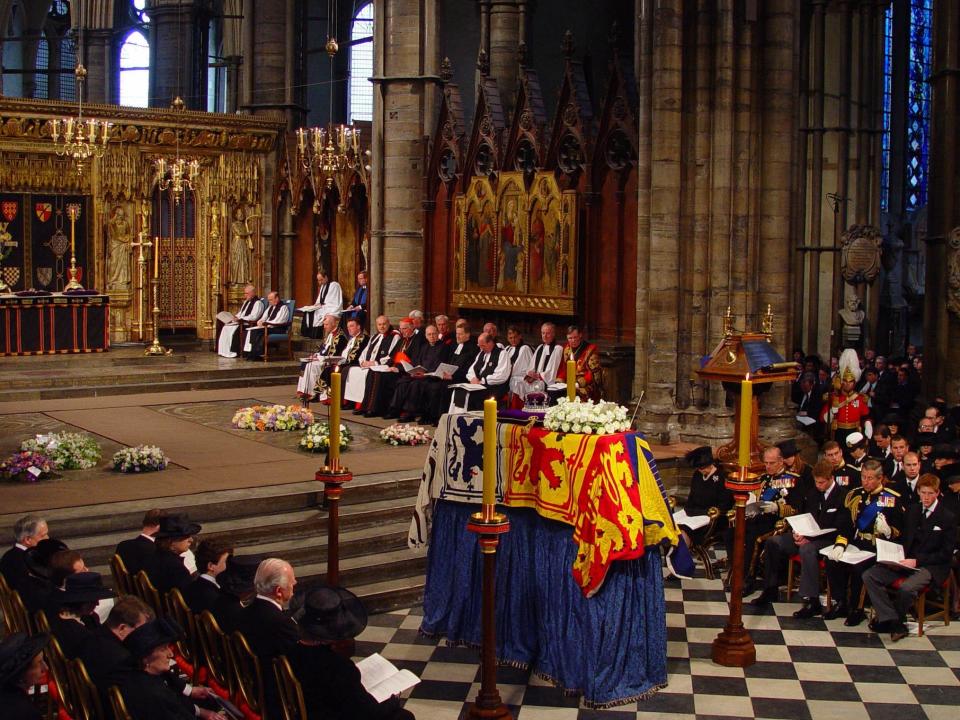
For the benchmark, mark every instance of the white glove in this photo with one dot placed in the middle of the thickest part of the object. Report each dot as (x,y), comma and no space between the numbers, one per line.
(752,510)
(836,552)
(769,507)
(881,526)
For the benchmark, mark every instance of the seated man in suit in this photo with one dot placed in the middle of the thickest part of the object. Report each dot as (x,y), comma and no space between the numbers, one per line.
(166,569)
(489,374)
(929,539)
(317,369)
(236,590)
(136,552)
(357,309)
(434,397)
(825,504)
(104,655)
(906,480)
(446,332)
(329,302)
(27,532)
(274,320)
(228,338)
(202,593)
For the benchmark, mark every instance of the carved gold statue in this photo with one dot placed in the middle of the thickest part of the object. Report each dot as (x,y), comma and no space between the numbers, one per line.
(118,251)
(241,248)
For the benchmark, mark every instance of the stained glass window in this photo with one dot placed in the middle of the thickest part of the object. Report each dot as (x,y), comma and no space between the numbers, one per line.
(887,98)
(135,70)
(918,103)
(41,78)
(361,64)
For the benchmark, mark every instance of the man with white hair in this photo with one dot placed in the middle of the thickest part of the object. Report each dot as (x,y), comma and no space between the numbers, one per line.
(268,629)
(319,365)
(544,365)
(27,532)
(228,342)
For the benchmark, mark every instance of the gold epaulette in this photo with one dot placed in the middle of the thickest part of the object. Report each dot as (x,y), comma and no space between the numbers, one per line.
(891,491)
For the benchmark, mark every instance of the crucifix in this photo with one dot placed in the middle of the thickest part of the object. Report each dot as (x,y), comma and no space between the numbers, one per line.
(142,242)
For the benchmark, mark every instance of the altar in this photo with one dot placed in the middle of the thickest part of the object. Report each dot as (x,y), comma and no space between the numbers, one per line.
(52,323)
(579,588)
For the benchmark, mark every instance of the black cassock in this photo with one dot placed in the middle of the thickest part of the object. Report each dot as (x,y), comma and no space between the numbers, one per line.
(434,397)
(380,385)
(406,397)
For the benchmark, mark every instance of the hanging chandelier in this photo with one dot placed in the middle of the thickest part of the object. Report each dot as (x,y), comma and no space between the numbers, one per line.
(77,137)
(332,157)
(177,176)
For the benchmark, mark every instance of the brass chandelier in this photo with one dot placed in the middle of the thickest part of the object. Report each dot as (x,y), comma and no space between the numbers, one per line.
(77,137)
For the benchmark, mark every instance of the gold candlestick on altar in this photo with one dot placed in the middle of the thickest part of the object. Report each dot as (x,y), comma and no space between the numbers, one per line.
(156,349)
(141,280)
(333,476)
(73,212)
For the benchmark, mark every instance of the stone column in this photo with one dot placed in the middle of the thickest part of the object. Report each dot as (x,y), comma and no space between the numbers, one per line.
(99,88)
(504,45)
(401,124)
(171,53)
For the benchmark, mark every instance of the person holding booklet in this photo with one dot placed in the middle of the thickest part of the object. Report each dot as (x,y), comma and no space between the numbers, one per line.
(432,363)
(929,538)
(333,687)
(708,492)
(808,534)
(875,512)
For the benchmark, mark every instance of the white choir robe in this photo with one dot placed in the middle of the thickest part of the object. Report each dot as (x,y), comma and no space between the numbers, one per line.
(282,317)
(379,349)
(545,363)
(520,367)
(497,377)
(308,380)
(249,311)
(329,303)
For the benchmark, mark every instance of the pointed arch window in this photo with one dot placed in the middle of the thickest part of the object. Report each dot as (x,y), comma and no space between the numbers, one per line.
(135,70)
(361,65)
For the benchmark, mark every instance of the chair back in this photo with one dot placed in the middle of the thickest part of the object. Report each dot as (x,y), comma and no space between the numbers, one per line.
(149,594)
(290,690)
(118,707)
(121,576)
(217,657)
(188,646)
(40,622)
(60,672)
(249,677)
(8,621)
(19,617)
(88,699)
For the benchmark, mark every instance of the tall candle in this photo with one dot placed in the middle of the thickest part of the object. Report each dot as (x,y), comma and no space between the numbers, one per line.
(746,421)
(335,419)
(489,451)
(571,379)
(156,258)
(73,232)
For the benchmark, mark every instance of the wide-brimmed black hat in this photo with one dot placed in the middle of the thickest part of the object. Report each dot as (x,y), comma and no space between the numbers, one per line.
(83,587)
(926,437)
(16,652)
(237,578)
(177,526)
(331,614)
(38,557)
(788,447)
(945,451)
(142,641)
(700,457)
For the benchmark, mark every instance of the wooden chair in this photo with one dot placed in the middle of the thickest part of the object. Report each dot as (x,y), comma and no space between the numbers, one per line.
(217,657)
(8,619)
(60,674)
(249,678)
(291,693)
(121,576)
(701,550)
(792,564)
(117,706)
(40,622)
(924,597)
(149,594)
(281,339)
(88,699)
(188,647)
(19,618)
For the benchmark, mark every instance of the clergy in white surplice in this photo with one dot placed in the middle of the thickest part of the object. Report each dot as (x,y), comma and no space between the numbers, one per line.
(377,354)
(543,365)
(228,344)
(273,320)
(337,350)
(329,302)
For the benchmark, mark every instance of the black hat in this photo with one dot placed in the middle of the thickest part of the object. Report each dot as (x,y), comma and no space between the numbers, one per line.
(142,641)
(788,448)
(892,418)
(237,578)
(38,557)
(944,451)
(331,614)
(926,437)
(177,526)
(84,587)
(16,652)
(700,457)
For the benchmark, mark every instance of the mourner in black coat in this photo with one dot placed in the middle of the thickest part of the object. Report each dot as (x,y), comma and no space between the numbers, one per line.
(204,590)
(433,397)
(708,491)
(75,619)
(166,569)
(21,667)
(236,586)
(406,397)
(27,532)
(137,552)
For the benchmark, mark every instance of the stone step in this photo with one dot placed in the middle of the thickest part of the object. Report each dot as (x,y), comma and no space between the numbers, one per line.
(365,569)
(134,375)
(387,595)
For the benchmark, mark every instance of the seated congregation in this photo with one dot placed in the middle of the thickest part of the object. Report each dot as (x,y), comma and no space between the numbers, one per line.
(866,526)
(228,640)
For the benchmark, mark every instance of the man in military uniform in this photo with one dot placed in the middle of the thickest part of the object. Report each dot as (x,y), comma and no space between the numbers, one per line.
(875,512)
(781,495)
(847,411)
(856,450)
(846,476)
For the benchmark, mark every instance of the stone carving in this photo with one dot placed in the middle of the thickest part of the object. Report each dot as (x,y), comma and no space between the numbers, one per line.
(852,317)
(118,250)
(241,248)
(860,254)
(953,271)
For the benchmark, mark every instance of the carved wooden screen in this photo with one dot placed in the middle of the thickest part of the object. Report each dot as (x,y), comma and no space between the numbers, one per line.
(174,225)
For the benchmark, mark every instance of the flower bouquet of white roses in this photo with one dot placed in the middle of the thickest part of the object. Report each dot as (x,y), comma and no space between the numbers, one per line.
(142,458)
(67,450)
(277,418)
(406,434)
(317,437)
(590,418)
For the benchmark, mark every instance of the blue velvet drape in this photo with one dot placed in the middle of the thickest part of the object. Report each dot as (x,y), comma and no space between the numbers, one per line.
(611,647)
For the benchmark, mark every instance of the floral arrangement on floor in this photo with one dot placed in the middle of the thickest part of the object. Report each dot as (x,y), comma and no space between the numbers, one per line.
(279,418)
(27,466)
(142,458)
(406,434)
(317,437)
(602,418)
(67,450)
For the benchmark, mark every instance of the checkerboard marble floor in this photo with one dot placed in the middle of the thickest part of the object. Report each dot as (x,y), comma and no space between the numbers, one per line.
(805,670)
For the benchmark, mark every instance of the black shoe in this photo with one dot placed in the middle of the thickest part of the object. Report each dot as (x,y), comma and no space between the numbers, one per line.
(837,611)
(898,632)
(882,626)
(768,596)
(390,416)
(855,618)
(749,587)
(810,609)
